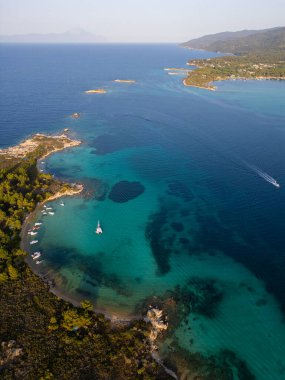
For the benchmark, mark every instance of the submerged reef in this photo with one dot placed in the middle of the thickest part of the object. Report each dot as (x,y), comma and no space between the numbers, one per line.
(198,296)
(179,189)
(160,247)
(223,365)
(125,191)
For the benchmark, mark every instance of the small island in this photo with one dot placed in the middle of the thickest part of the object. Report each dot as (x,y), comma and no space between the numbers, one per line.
(124,81)
(259,55)
(96,91)
(75,115)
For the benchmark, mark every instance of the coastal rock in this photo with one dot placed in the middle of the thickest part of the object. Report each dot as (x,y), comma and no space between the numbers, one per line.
(158,322)
(75,115)
(10,352)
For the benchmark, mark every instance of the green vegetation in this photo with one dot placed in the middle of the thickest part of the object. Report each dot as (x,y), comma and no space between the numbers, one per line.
(259,55)
(250,66)
(242,42)
(43,337)
(21,188)
(67,342)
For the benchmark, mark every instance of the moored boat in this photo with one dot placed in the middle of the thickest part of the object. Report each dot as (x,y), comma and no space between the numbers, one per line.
(36,255)
(32,233)
(99,229)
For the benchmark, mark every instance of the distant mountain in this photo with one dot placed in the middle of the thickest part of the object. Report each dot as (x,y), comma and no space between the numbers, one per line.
(71,36)
(242,42)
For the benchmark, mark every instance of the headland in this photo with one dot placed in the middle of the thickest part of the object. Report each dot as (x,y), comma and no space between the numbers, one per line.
(257,55)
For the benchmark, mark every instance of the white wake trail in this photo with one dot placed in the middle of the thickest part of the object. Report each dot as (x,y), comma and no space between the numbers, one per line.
(263,175)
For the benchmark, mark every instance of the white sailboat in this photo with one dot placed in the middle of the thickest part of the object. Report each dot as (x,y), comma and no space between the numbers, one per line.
(99,229)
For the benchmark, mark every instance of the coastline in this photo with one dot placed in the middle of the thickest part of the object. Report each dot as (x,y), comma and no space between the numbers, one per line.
(77,189)
(38,147)
(114,317)
(214,88)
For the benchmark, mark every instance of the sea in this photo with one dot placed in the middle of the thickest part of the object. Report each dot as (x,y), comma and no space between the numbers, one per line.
(184,184)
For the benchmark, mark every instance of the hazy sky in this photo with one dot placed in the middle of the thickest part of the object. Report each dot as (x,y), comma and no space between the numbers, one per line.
(140,20)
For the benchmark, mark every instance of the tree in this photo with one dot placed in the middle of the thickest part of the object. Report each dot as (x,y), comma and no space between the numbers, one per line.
(19,252)
(3,254)
(3,277)
(86,305)
(12,271)
(53,324)
(72,321)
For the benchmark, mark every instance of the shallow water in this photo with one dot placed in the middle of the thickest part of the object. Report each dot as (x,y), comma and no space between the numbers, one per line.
(204,221)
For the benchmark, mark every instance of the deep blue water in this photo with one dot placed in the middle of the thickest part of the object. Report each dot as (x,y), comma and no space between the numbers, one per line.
(204,216)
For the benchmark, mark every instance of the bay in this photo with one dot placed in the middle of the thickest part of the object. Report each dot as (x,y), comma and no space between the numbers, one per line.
(205,225)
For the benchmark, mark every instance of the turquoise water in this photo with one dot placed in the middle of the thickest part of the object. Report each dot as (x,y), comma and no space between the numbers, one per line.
(207,229)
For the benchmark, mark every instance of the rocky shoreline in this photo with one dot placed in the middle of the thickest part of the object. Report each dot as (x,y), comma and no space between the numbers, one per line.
(55,143)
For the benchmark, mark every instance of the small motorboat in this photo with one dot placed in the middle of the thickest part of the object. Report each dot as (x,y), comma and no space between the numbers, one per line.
(38,224)
(99,230)
(36,255)
(61,203)
(34,242)
(39,262)
(51,212)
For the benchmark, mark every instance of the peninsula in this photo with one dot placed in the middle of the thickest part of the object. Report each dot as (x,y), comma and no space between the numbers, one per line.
(44,337)
(38,143)
(254,55)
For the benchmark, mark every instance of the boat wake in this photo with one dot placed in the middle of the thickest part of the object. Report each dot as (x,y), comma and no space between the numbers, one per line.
(264,175)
